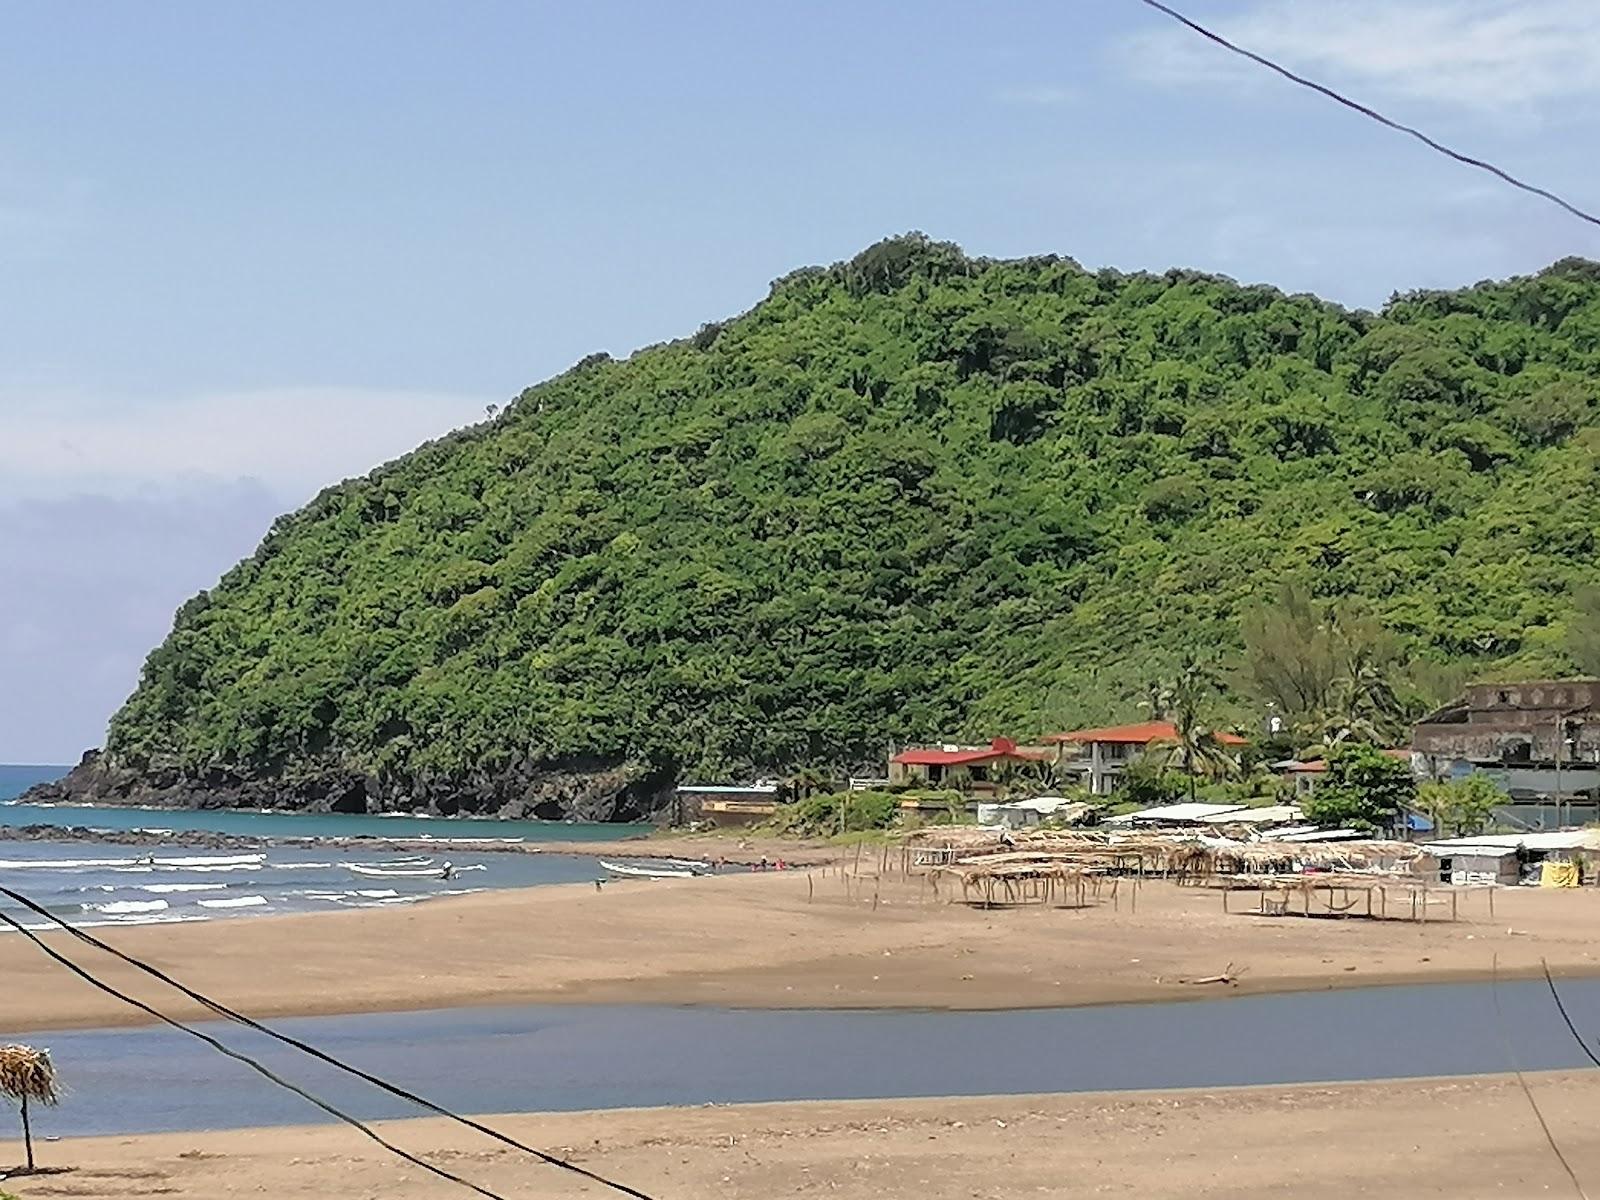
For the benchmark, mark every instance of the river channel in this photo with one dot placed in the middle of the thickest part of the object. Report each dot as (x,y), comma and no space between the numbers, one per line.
(549,1058)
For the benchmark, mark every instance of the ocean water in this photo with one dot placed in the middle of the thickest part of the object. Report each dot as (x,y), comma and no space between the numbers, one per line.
(90,883)
(14,780)
(297,825)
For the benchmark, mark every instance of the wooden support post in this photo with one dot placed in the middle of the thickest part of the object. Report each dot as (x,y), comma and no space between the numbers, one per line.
(1424,906)
(811,889)
(1369,899)
(1491,901)
(27,1136)
(1224,897)
(1452,906)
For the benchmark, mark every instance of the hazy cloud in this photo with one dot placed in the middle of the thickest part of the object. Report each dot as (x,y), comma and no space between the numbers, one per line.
(89,588)
(114,513)
(294,440)
(1470,53)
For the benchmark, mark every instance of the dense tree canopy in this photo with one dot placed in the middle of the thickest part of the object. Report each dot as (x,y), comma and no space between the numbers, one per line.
(910,496)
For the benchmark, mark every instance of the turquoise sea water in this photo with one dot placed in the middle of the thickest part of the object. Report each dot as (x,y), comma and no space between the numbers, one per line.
(289,825)
(14,780)
(100,883)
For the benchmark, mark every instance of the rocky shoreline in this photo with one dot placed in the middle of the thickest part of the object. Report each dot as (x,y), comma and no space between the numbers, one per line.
(589,790)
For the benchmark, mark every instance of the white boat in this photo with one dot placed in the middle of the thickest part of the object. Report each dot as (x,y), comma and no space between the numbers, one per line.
(635,871)
(443,871)
(692,865)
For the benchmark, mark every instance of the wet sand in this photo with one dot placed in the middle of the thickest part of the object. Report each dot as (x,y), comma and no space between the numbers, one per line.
(1463,1138)
(789,939)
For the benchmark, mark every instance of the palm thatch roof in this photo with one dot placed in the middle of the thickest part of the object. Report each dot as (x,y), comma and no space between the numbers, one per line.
(28,1074)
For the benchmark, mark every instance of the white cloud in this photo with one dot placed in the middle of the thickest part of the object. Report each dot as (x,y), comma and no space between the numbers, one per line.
(1487,54)
(293,440)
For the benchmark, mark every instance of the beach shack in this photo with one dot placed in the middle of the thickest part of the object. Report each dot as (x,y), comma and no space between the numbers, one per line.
(725,805)
(1551,859)
(1024,814)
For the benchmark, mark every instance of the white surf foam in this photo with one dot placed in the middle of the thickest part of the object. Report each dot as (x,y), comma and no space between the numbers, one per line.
(162,889)
(123,907)
(236,902)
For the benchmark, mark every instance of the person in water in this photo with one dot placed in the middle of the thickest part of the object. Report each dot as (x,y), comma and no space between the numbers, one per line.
(449,871)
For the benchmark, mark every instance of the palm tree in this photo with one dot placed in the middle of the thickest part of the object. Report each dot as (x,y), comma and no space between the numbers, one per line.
(808,781)
(1194,747)
(28,1074)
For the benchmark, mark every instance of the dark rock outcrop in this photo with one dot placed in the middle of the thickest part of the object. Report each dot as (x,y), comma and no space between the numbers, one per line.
(568,791)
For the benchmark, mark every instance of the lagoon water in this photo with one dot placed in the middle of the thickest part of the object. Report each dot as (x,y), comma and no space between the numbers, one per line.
(551,1058)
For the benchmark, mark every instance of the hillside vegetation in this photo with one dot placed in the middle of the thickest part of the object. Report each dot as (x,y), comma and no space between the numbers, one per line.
(913,495)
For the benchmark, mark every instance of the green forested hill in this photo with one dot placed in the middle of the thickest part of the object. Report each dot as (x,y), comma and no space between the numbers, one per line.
(913,495)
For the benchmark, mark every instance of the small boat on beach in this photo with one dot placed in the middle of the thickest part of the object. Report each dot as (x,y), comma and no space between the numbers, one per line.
(648,871)
(409,870)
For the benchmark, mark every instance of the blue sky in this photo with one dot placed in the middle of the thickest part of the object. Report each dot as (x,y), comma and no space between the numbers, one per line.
(248,249)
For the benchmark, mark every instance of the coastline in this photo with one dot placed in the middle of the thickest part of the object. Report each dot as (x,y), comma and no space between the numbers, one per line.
(1313,1142)
(793,939)
(743,849)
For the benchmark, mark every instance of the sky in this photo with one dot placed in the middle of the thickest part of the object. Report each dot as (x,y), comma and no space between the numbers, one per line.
(247,250)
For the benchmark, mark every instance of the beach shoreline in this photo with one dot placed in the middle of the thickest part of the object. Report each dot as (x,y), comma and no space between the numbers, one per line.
(1313,1142)
(742,848)
(791,939)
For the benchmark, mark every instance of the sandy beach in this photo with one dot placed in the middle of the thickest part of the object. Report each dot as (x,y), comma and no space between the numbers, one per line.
(790,939)
(1461,1138)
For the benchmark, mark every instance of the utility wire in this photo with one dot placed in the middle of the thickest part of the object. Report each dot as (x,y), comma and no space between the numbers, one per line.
(1562,1009)
(1371,113)
(222,1010)
(259,1068)
(1511,1053)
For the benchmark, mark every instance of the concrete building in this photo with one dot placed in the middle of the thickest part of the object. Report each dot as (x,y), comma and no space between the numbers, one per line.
(972,770)
(724,805)
(1096,758)
(1539,740)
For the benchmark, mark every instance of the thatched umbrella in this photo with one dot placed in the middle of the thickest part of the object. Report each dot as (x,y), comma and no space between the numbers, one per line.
(27,1074)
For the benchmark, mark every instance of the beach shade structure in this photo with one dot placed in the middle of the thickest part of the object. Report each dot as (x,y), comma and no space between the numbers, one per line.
(28,1076)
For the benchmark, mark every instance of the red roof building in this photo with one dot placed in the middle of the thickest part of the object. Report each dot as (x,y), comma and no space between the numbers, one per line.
(1141,734)
(1096,757)
(967,768)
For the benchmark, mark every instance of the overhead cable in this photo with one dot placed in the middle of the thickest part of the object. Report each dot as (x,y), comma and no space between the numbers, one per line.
(227,1013)
(1371,113)
(255,1065)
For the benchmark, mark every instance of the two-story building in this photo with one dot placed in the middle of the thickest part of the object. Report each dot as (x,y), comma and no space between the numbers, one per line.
(1539,740)
(973,770)
(1096,758)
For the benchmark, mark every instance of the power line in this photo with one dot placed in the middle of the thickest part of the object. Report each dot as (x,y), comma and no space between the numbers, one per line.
(1372,113)
(222,1010)
(1562,1009)
(1522,1082)
(256,1066)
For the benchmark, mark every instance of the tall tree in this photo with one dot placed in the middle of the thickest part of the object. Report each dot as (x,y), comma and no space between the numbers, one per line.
(1194,749)
(1291,658)
(1583,634)
(1364,789)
